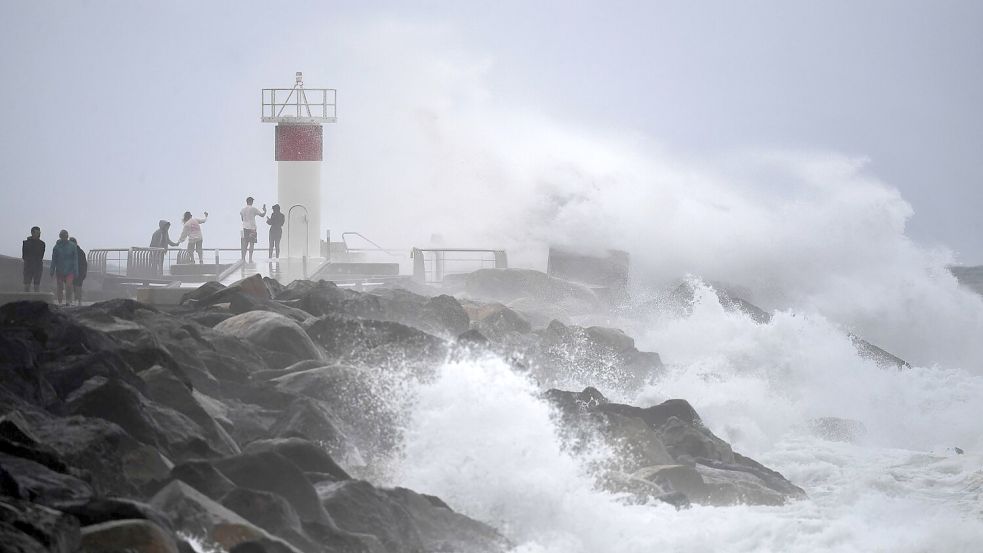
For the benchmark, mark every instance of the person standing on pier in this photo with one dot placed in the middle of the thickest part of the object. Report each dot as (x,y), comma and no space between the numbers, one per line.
(33,256)
(192,231)
(83,270)
(248,215)
(275,221)
(161,238)
(64,267)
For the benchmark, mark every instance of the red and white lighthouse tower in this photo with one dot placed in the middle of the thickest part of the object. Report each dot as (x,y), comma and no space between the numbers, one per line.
(299,114)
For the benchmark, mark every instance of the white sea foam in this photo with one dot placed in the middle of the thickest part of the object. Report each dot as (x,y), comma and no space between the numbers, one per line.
(813,236)
(481,439)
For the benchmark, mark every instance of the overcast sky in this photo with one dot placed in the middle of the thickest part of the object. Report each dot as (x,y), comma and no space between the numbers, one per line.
(120,113)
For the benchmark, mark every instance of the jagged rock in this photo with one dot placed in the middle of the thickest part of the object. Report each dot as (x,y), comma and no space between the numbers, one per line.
(440,315)
(136,536)
(684,479)
(194,514)
(58,334)
(598,355)
(495,321)
(540,313)
(574,403)
(269,471)
(883,358)
(405,521)
(104,450)
(204,477)
(442,529)
(505,285)
(67,373)
(657,415)
(260,546)
(634,443)
(24,479)
(20,355)
(348,392)
(272,513)
(313,420)
(145,468)
(17,440)
(166,389)
(271,331)
(734,487)
(684,438)
(307,456)
(152,424)
(30,528)
(375,342)
(250,293)
(665,436)
(106,509)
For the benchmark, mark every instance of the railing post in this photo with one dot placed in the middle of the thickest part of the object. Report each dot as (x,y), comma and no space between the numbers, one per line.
(501,260)
(419,266)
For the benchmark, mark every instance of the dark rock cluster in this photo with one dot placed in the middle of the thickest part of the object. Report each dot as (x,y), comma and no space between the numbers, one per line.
(252,418)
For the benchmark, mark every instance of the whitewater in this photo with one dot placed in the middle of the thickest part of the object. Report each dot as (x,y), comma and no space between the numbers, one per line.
(812,237)
(480,438)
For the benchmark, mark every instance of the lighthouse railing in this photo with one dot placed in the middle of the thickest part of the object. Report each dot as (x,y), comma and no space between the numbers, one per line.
(299,105)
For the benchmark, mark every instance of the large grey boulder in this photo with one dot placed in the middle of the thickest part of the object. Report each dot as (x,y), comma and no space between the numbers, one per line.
(605,357)
(166,429)
(405,521)
(271,513)
(307,456)
(24,479)
(193,513)
(27,527)
(356,395)
(134,535)
(665,449)
(506,285)
(272,331)
(168,390)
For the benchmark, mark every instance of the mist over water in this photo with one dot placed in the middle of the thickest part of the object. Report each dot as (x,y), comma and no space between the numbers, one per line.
(811,236)
(480,438)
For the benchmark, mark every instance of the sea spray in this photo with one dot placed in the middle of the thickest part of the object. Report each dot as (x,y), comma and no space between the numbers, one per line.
(480,437)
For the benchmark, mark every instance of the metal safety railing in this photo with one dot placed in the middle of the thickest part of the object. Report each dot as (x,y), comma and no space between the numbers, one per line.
(140,262)
(431,266)
(299,105)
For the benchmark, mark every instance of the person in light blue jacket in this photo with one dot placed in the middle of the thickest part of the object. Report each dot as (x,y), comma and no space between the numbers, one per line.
(64,267)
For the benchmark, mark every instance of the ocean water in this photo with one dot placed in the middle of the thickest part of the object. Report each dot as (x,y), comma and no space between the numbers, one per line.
(479,437)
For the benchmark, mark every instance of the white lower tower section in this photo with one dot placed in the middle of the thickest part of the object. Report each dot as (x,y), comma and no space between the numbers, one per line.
(299,184)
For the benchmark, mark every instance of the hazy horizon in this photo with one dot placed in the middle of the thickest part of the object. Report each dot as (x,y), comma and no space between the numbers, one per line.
(122,114)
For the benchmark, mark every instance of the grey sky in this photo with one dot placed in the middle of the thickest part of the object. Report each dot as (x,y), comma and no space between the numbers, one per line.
(119,113)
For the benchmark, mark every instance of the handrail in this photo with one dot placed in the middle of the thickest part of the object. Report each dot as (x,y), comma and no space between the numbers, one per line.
(420,263)
(360,235)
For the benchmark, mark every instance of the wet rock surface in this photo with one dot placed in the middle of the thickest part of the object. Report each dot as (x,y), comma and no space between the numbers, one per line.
(254,417)
(663,451)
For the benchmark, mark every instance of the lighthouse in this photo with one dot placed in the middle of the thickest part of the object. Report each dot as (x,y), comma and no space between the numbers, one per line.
(299,114)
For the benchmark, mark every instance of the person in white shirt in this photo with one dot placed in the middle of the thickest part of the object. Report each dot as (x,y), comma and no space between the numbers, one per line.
(192,231)
(248,215)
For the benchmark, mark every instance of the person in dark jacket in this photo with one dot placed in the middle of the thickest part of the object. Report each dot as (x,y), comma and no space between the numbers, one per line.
(275,220)
(83,270)
(161,239)
(64,267)
(33,256)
